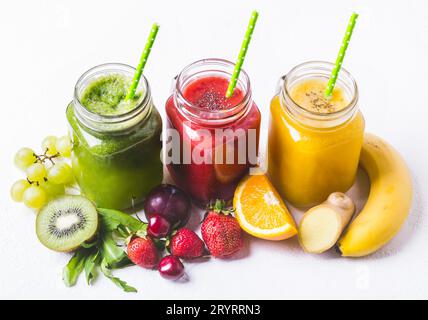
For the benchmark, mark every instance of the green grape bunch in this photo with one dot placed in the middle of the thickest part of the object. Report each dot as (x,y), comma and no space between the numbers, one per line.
(47,174)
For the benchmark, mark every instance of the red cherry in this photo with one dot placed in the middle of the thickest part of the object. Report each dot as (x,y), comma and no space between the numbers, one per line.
(158,226)
(171,268)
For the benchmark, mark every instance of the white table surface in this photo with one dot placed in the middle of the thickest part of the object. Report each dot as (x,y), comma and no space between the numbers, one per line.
(47,45)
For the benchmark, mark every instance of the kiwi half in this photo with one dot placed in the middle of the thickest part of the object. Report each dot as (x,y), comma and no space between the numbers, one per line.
(66,222)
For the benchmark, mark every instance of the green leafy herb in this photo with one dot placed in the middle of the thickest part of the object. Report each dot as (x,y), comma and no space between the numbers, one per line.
(88,245)
(74,267)
(110,252)
(105,269)
(104,253)
(90,267)
(112,219)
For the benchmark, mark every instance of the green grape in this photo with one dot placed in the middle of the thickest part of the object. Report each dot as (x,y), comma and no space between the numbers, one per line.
(63,146)
(53,190)
(36,172)
(24,157)
(60,173)
(18,188)
(49,144)
(34,197)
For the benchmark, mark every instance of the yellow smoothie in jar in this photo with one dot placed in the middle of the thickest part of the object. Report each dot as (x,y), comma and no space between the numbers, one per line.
(314,142)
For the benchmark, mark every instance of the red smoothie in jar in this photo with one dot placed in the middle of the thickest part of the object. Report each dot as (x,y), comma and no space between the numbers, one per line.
(218,136)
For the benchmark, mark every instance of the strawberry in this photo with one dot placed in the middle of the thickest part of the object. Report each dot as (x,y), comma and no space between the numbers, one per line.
(186,244)
(142,251)
(220,231)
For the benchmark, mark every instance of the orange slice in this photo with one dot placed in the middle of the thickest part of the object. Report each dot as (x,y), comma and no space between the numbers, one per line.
(260,210)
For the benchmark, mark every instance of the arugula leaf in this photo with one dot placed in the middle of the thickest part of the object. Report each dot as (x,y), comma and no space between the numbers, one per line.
(113,257)
(110,252)
(104,253)
(90,266)
(88,245)
(112,219)
(105,269)
(74,267)
(121,231)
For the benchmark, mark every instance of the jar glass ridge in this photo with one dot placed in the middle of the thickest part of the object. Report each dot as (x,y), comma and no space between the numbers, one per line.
(312,154)
(321,70)
(116,158)
(205,68)
(111,123)
(211,180)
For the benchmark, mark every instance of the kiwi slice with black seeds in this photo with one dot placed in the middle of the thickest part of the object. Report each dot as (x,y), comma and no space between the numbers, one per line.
(66,222)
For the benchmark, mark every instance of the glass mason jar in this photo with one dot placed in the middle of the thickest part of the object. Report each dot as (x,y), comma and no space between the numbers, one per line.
(211,142)
(312,154)
(116,158)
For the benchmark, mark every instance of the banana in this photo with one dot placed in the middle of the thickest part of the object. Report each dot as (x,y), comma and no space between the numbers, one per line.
(389,201)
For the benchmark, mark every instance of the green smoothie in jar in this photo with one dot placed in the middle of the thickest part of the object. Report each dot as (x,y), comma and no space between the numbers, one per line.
(116,142)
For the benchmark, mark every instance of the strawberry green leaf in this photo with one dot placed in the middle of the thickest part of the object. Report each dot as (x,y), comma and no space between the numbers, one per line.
(220,206)
(142,232)
(160,243)
(176,226)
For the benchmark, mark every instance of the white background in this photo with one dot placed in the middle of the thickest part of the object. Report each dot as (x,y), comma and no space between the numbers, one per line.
(46,45)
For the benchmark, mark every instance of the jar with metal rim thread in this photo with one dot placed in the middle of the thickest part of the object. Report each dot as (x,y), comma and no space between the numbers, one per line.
(216,138)
(314,142)
(117,144)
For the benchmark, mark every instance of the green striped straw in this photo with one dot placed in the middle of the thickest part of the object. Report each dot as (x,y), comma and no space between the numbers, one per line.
(242,53)
(345,42)
(142,63)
